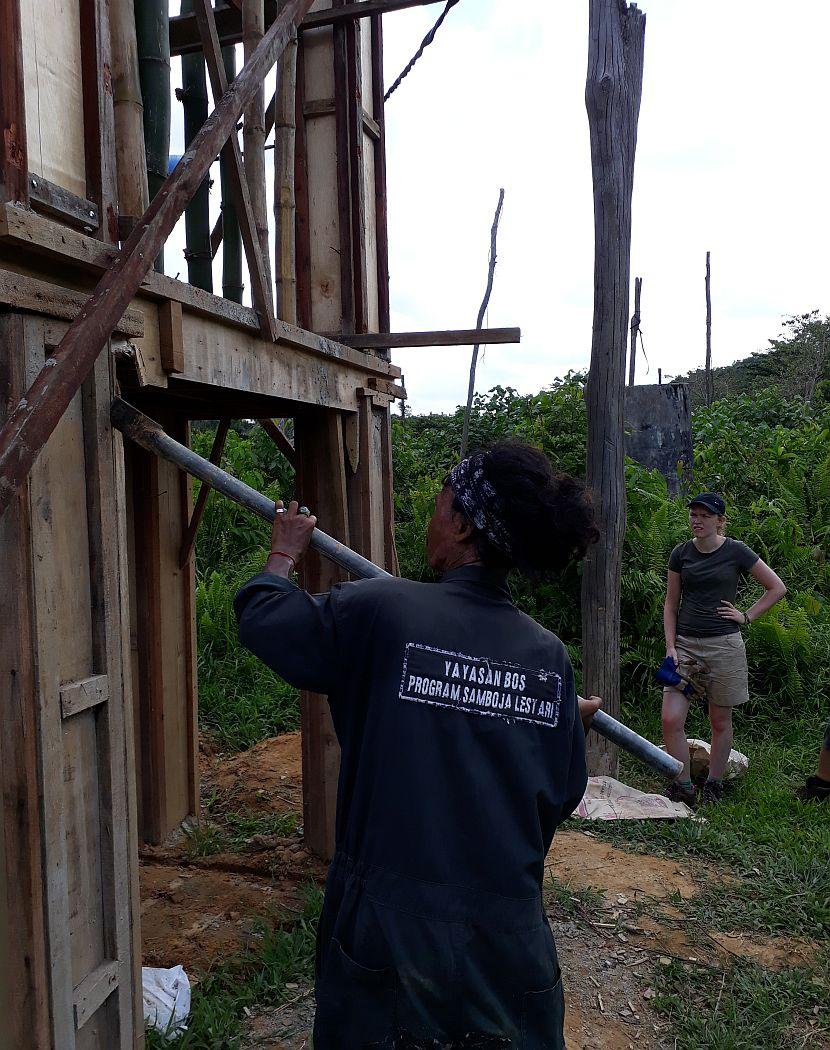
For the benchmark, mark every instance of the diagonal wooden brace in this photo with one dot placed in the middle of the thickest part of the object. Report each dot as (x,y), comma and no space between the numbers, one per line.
(37,413)
(260,291)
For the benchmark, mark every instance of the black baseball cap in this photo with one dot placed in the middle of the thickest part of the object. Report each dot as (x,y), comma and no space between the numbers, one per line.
(711,501)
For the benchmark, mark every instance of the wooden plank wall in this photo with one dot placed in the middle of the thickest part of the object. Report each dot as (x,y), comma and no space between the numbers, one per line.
(52,66)
(76,856)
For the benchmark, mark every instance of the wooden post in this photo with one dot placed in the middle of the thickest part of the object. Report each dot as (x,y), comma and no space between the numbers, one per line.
(131,163)
(285,205)
(612,96)
(379,108)
(635,329)
(14,183)
(253,139)
(26,993)
(321,483)
(710,393)
(99,120)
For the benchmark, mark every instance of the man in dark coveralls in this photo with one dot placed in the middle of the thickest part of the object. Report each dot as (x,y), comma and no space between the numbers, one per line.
(462,750)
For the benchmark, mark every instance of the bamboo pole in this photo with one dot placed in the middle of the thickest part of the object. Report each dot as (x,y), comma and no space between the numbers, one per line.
(38,412)
(285,201)
(128,106)
(232,286)
(612,96)
(153,42)
(253,139)
(194,101)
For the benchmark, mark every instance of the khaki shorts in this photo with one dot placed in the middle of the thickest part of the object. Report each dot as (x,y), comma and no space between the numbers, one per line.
(716,666)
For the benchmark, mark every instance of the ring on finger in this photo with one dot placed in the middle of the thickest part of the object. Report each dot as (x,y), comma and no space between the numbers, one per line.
(304,510)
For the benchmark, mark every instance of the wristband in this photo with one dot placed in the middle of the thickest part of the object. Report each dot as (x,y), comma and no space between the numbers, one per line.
(282,554)
(747,620)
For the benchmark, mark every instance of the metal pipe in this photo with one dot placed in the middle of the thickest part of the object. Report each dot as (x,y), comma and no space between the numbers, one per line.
(147,433)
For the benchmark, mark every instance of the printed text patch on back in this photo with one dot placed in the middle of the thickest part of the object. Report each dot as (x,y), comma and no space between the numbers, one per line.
(480,686)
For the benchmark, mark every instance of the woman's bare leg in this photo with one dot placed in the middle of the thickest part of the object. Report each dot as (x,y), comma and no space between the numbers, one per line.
(722,735)
(675,710)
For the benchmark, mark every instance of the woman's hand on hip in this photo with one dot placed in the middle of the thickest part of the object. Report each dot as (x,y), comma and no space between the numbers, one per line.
(727,611)
(672,652)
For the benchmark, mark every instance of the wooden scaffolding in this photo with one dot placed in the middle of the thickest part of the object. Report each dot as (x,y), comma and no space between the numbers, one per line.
(98,690)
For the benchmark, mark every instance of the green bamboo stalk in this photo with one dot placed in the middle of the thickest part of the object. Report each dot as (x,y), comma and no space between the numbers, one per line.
(197,217)
(231,238)
(153,41)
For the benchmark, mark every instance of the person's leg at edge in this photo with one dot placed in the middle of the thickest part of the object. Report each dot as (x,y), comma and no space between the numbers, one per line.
(824,757)
(675,711)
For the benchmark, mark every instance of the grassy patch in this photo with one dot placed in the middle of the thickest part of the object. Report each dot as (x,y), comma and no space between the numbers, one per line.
(761,835)
(252,979)
(744,1007)
(570,902)
(229,832)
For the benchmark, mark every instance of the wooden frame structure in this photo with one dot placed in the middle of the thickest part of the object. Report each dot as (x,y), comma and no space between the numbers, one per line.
(98,691)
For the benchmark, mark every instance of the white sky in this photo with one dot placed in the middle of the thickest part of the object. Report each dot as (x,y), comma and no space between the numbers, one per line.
(732,158)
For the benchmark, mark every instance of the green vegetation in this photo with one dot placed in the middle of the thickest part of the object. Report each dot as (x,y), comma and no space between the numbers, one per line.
(281,953)
(744,1007)
(230,832)
(795,365)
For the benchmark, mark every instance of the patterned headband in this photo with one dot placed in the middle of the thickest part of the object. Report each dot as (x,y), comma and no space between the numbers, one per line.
(481,503)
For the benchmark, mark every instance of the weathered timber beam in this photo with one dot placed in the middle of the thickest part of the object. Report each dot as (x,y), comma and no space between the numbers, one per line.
(38,412)
(280,440)
(453,337)
(54,200)
(184,34)
(257,266)
(40,297)
(24,232)
(189,540)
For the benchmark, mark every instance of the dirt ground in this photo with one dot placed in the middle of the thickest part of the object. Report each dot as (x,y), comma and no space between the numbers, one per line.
(199,909)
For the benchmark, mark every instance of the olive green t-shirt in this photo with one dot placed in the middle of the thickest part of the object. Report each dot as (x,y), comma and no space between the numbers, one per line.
(706,580)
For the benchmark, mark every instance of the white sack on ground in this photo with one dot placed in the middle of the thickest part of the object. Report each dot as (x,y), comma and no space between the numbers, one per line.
(736,765)
(608,799)
(166,999)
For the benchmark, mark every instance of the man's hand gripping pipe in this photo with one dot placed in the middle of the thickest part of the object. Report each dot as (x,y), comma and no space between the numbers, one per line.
(147,433)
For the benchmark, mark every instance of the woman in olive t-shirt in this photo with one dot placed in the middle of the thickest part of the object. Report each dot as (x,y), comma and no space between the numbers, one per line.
(703,635)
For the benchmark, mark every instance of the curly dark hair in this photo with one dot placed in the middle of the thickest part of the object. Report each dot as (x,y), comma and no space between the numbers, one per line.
(549,515)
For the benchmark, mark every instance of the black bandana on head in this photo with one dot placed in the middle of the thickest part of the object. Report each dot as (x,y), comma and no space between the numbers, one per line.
(481,503)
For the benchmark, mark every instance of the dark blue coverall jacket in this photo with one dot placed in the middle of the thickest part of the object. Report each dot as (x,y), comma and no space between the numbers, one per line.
(462,751)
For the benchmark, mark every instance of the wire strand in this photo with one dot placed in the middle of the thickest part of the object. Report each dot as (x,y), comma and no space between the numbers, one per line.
(424,45)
